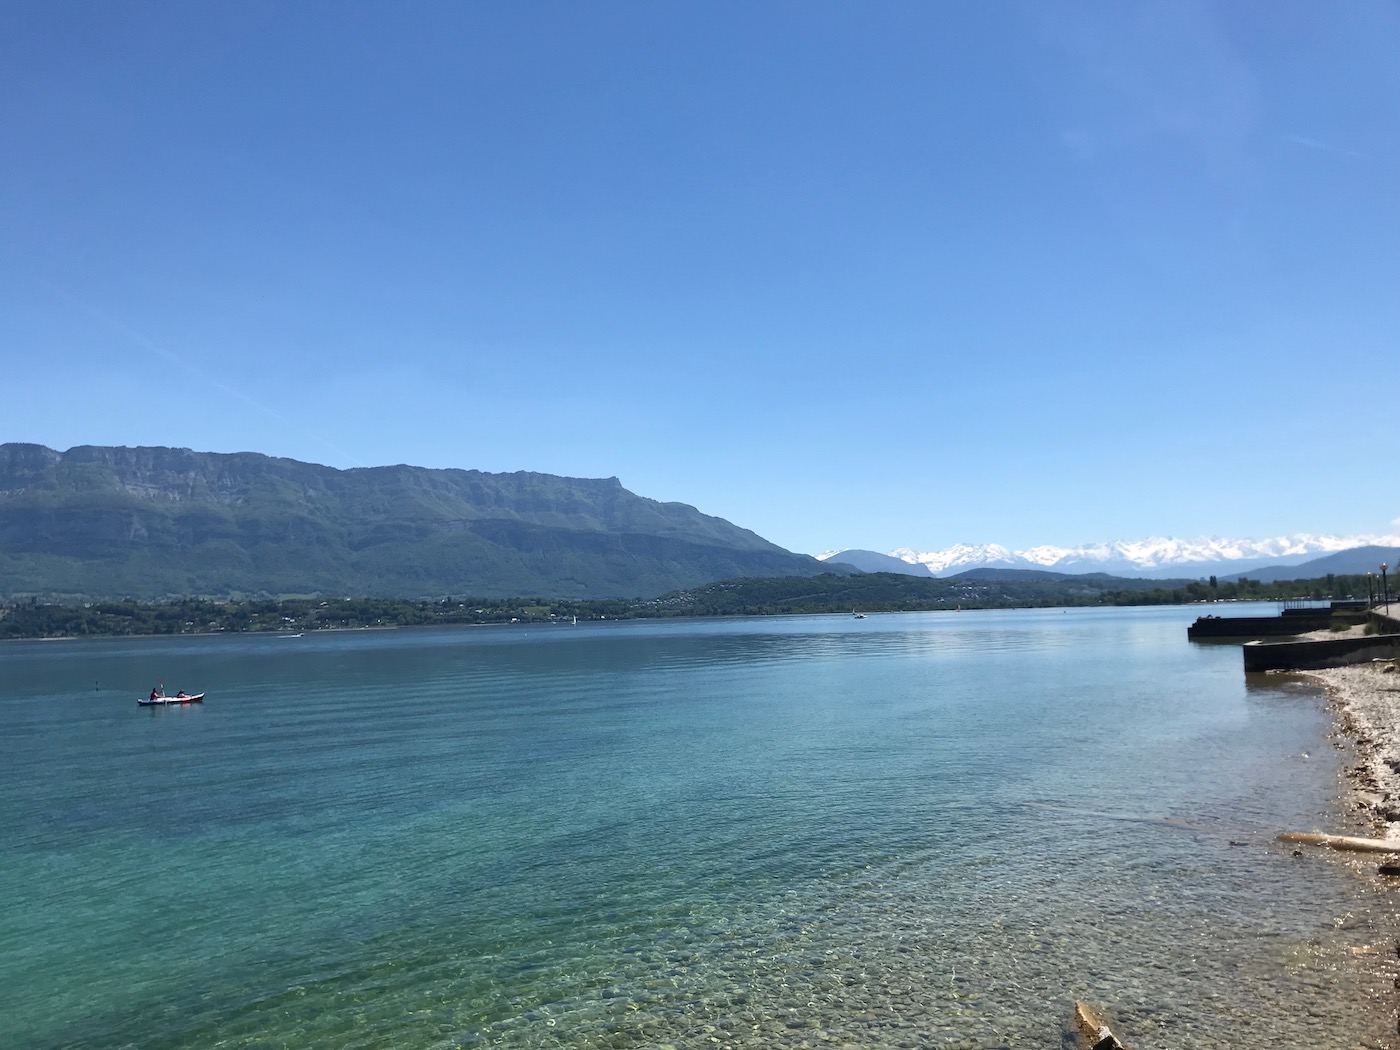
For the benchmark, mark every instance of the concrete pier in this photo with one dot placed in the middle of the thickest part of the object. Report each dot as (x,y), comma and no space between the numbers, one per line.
(1294,621)
(1315,653)
(1311,655)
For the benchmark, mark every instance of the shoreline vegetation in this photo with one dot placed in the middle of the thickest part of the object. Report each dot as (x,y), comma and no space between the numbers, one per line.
(33,618)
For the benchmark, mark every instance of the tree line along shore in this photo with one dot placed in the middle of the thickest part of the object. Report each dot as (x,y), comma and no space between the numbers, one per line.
(872,592)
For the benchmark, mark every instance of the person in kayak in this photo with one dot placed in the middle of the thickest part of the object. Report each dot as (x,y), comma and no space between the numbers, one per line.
(154,694)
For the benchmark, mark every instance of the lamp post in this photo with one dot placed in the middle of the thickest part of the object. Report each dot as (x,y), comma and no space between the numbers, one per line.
(1370,601)
(1385,588)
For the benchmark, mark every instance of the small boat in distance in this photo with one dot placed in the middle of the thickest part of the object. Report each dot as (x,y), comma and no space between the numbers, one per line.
(161,700)
(858,615)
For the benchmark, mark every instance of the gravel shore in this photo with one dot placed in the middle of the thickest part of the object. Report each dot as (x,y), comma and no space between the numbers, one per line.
(1367,697)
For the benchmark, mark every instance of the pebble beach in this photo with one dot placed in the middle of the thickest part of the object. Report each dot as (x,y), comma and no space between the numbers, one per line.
(1367,701)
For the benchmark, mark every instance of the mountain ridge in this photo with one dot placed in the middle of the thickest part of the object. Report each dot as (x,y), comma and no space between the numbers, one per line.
(1354,561)
(873,561)
(152,521)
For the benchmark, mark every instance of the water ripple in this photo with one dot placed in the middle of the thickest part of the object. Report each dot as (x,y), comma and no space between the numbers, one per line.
(919,830)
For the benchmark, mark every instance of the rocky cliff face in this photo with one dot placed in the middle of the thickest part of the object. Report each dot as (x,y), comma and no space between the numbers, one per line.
(150,522)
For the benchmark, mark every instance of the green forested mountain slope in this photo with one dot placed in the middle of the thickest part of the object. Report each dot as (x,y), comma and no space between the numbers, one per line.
(157,522)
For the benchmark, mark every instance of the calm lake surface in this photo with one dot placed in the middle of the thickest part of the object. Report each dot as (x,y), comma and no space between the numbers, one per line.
(909,830)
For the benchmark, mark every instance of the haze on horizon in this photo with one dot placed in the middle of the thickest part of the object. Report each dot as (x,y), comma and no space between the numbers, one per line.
(906,274)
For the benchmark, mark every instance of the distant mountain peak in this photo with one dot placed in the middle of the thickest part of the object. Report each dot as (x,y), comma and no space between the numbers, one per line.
(1154,556)
(872,561)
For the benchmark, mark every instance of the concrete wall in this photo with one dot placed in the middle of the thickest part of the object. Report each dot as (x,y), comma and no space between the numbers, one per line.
(1387,624)
(1258,626)
(1330,652)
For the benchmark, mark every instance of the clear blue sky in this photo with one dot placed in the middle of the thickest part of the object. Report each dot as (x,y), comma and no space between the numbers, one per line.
(855,274)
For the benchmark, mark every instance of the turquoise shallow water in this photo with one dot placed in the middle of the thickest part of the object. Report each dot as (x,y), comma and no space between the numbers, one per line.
(908,830)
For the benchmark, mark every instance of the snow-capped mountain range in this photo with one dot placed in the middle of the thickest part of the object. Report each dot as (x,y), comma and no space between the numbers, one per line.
(1155,557)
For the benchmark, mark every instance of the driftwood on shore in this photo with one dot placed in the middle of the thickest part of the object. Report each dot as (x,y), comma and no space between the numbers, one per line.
(1343,842)
(1098,1033)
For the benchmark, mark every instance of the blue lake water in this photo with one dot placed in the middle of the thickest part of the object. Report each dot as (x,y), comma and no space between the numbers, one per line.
(908,830)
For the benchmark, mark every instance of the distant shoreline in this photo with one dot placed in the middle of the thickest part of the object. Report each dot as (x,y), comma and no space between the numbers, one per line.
(750,596)
(219,634)
(307,631)
(617,616)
